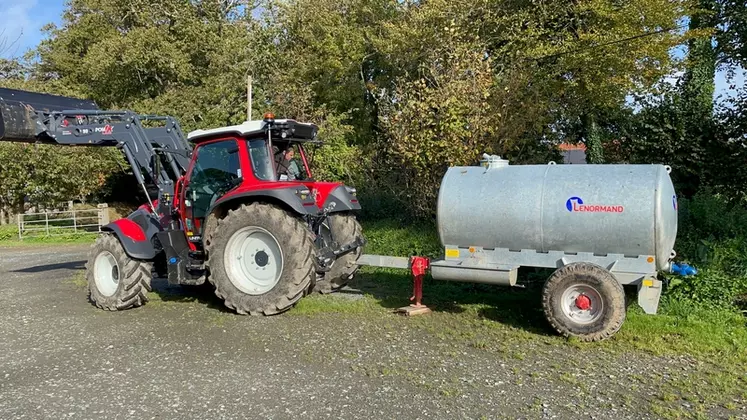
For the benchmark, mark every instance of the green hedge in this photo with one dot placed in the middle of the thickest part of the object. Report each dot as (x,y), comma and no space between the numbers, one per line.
(712,236)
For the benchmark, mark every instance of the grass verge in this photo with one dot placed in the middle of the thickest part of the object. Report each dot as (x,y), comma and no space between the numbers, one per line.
(9,238)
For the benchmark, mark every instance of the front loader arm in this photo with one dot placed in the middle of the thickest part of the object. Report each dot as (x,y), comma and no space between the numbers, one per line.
(30,117)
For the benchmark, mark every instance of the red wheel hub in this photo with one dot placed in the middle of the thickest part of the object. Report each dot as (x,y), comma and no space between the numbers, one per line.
(583,302)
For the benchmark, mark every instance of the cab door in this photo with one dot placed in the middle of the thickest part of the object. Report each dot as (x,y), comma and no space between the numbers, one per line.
(215,170)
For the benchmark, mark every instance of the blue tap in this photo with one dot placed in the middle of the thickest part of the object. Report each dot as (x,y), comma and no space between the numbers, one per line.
(682,269)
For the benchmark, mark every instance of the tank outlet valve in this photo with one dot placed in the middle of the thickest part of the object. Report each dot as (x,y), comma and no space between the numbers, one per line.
(682,269)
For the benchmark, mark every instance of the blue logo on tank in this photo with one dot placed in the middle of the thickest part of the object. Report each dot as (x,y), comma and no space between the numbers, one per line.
(674,202)
(576,205)
(569,203)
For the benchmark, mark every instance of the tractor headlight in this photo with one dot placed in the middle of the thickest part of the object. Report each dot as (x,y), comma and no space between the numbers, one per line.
(352,190)
(304,193)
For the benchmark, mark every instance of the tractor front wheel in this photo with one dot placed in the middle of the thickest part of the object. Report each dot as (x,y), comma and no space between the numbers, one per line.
(116,281)
(261,259)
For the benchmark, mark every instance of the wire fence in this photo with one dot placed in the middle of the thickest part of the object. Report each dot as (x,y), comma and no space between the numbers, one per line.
(61,223)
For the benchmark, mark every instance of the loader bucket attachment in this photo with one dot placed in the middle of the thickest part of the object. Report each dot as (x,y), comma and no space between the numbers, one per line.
(20,112)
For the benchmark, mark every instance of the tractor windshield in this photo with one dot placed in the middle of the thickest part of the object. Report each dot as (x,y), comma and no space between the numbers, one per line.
(216,170)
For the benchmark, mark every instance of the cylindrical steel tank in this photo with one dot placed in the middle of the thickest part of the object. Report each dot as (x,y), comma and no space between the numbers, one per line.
(604,209)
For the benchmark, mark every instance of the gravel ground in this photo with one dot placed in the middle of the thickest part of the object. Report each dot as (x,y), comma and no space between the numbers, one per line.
(183,356)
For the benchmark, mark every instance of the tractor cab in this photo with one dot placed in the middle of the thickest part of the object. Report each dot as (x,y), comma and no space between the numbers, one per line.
(290,161)
(261,159)
(275,148)
(264,163)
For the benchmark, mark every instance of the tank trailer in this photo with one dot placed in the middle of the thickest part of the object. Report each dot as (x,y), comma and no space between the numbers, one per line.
(601,227)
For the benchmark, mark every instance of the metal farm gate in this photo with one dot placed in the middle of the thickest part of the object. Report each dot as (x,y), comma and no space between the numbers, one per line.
(58,223)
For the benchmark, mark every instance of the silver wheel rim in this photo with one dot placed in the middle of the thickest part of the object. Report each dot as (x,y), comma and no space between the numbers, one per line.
(253,260)
(574,300)
(106,273)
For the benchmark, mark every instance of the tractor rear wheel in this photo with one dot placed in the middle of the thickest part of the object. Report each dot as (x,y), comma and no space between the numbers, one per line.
(261,259)
(344,228)
(116,281)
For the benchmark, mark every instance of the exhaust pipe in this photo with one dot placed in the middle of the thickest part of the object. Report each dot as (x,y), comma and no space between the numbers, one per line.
(22,113)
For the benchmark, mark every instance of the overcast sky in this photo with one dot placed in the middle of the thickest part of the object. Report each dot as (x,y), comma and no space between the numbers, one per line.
(21,22)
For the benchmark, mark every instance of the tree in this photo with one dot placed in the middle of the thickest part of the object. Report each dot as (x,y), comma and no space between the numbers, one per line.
(440,120)
(705,146)
(556,70)
(184,58)
(731,32)
(46,175)
(401,89)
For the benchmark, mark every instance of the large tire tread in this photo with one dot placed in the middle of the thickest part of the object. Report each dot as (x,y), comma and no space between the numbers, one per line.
(297,243)
(613,296)
(135,277)
(345,227)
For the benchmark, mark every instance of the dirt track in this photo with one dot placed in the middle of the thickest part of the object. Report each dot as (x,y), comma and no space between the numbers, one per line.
(183,356)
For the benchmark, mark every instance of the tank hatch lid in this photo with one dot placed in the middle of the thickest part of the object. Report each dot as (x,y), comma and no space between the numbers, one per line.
(492,161)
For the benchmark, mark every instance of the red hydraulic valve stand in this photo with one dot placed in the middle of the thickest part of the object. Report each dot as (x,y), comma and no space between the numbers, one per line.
(419,266)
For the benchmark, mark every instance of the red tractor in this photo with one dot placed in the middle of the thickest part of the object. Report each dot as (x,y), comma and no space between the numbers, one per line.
(240,209)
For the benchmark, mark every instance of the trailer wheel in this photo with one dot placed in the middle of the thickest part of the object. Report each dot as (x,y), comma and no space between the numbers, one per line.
(116,281)
(345,228)
(584,300)
(261,259)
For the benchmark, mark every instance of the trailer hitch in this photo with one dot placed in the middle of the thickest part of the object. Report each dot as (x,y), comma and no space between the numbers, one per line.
(328,255)
(418,267)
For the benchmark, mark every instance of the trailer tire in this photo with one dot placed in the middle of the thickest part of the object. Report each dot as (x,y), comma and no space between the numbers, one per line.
(115,280)
(286,248)
(345,228)
(585,301)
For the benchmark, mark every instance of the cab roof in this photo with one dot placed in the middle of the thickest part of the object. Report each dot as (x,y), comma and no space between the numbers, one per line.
(285,129)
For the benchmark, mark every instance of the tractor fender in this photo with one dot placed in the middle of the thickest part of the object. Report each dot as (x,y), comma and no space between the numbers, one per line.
(288,197)
(341,199)
(136,233)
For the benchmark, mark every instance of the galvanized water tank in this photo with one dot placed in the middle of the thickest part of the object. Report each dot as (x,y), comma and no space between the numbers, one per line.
(604,209)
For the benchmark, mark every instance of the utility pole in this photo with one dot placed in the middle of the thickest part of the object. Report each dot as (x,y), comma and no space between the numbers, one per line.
(249,98)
